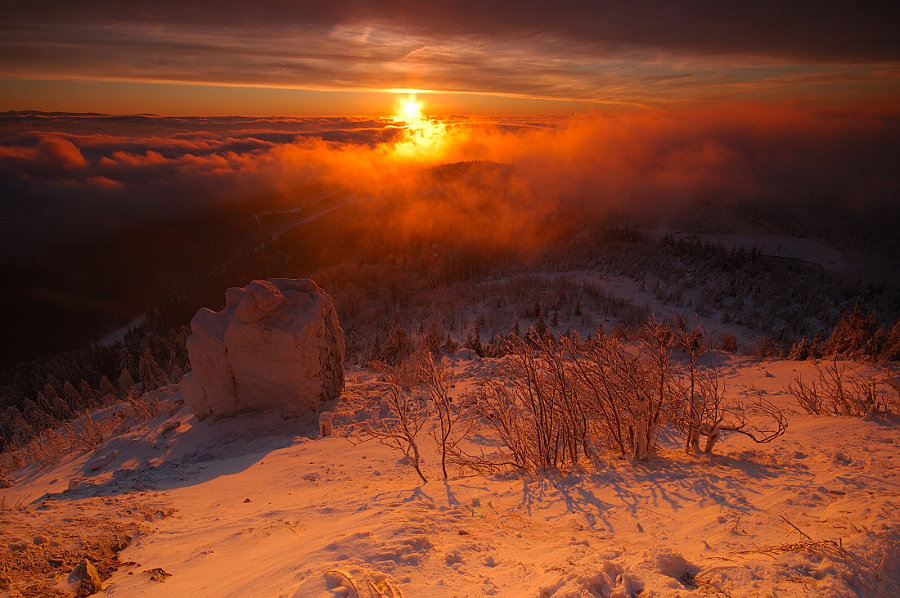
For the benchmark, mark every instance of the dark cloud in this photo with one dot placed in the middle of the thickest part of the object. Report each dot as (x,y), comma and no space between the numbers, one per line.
(811,30)
(623,51)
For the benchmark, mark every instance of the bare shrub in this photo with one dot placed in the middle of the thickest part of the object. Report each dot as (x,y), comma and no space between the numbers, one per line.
(555,399)
(657,342)
(891,401)
(834,391)
(406,413)
(706,413)
(807,395)
(80,435)
(701,405)
(526,405)
(436,378)
(767,348)
(735,419)
(598,369)
(622,391)
(556,356)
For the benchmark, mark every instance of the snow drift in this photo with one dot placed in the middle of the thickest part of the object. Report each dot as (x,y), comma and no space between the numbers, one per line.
(277,344)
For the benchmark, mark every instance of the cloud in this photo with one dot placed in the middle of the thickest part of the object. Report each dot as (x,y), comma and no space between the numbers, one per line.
(529,172)
(626,52)
(807,29)
(51,156)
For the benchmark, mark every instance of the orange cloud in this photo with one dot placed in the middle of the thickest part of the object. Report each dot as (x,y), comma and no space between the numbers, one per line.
(532,172)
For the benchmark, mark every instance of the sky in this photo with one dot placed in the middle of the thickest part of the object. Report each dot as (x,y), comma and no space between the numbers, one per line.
(343,57)
(595,107)
(122,119)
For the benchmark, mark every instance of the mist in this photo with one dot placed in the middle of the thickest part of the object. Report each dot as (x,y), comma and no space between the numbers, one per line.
(68,178)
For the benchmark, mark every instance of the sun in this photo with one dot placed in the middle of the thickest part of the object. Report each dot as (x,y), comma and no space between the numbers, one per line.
(410,110)
(423,137)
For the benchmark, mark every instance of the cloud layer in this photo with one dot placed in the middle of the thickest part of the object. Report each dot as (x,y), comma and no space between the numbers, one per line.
(635,52)
(67,177)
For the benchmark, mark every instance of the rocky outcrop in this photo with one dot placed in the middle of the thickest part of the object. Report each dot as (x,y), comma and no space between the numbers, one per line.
(277,344)
(85,579)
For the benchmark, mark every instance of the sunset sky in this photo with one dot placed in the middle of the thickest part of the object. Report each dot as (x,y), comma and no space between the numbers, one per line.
(597,106)
(345,57)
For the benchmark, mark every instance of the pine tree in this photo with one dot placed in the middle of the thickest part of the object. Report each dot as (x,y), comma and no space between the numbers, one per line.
(432,341)
(150,374)
(450,346)
(72,397)
(43,403)
(396,345)
(852,335)
(891,351)
(375,352)
(126,361)
(125,385)
(36,416)
(540,327)
(87,393)
(473,342)
(105,389)
(54,404)
(49,391)
(15,429)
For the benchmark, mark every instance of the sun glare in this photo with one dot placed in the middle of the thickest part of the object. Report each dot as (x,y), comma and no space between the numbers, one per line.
(411,110)
(424,136)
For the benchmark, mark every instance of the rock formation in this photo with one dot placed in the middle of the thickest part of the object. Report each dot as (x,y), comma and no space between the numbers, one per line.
(277,344)
(85,579)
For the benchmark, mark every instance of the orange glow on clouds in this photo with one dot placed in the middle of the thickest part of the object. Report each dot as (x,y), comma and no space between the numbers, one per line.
(496,180)
(423,137)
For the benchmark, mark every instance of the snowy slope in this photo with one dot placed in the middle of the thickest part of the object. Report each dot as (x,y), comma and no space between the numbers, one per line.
(259,506)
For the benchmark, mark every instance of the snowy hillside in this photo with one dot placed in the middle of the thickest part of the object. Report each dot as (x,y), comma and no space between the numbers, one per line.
(258,505)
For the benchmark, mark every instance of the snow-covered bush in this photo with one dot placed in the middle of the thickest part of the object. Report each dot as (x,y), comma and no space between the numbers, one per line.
(435,378)
(620,390)
(526,406)
(555,399)
(834,391)
(81,433)
(404,413)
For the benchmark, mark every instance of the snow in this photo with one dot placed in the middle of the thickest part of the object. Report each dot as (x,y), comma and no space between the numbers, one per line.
(796,248)
(262,506)
(118,335)
(277,343)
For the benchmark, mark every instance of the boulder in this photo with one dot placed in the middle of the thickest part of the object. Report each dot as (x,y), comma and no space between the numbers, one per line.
(85,579)
(326,423)
(276,344)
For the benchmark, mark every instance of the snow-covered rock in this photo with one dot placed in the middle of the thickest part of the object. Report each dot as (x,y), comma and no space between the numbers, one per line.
(85,579)
(277,343)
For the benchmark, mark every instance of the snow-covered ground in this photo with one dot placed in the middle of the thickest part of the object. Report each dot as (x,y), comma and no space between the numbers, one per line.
(260,506)
(118,335)
(795,248)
